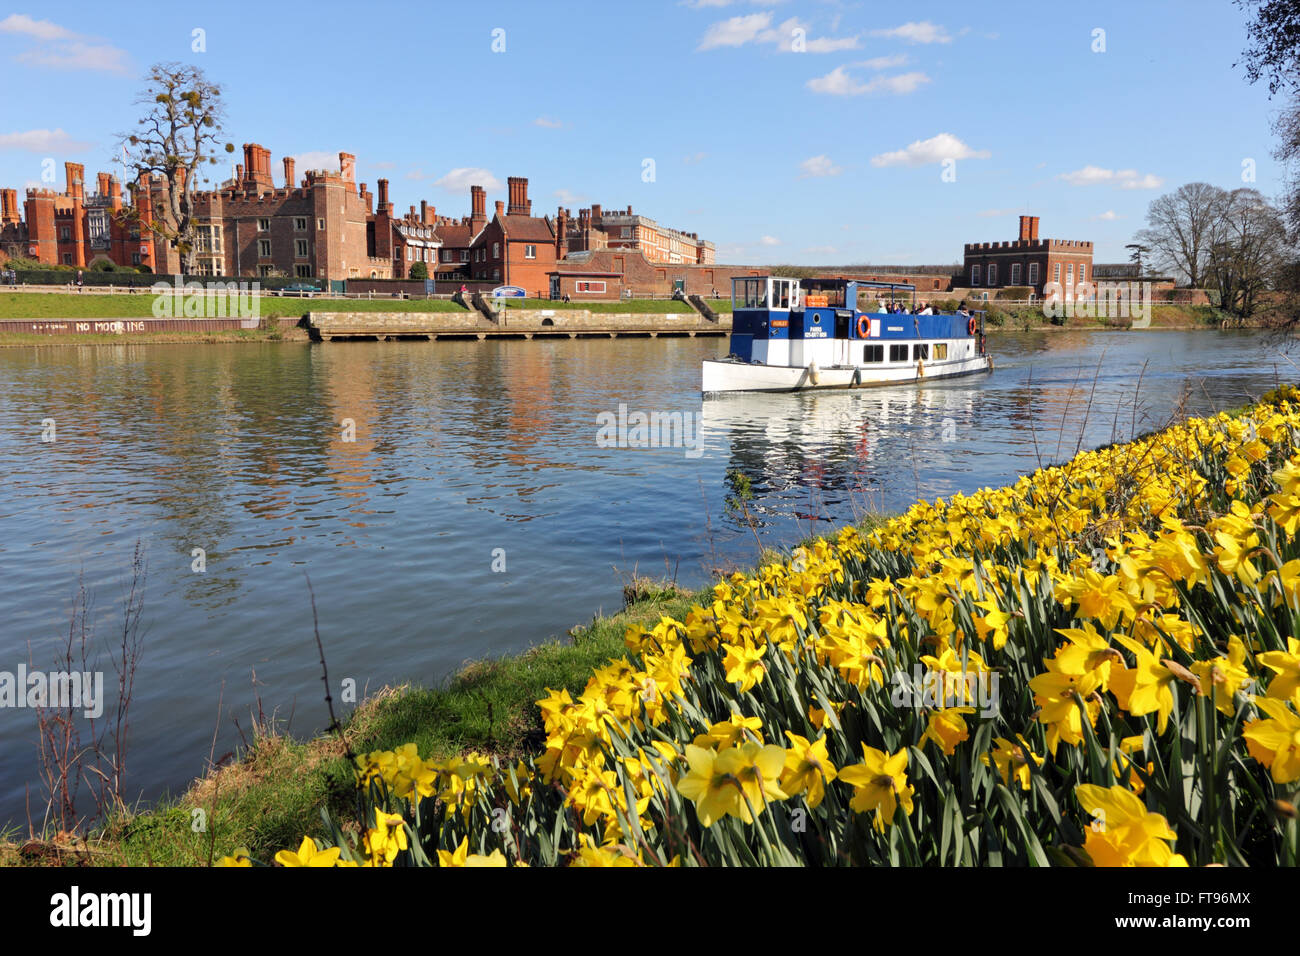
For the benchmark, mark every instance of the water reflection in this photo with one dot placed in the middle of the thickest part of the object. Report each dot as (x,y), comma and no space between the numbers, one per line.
(459,449)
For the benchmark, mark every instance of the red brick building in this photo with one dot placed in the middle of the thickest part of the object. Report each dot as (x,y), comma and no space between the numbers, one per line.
(1027,261)
(71,228)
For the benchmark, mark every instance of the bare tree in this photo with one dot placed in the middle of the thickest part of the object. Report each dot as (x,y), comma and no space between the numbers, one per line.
(1249,254)
(180,131)
(1182,226)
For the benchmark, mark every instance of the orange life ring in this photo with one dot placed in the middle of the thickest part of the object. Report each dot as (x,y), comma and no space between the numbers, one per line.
(864,327)
(971,326)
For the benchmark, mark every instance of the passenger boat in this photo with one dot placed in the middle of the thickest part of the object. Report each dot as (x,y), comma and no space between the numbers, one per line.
(794,334)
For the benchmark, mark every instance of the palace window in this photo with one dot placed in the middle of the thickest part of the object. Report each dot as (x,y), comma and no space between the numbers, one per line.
(974,275)
(302,271)
(264,248)
(300,223)
(993,273)
(320,223)
(300,248)
(1056,272)
(496,250)
(1033,273)
(1082,273)
(265,271)
(530,252)
(263,225)
(589,286)
(1015,273)
(1069,274)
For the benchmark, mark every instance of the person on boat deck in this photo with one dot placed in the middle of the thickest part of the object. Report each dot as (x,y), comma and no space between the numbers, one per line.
(926,309)
(962,310)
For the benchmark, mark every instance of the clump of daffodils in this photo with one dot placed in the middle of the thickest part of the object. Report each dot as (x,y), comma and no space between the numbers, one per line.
(1051,672)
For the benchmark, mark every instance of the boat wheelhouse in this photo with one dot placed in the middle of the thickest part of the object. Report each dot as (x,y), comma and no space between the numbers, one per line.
(793,334)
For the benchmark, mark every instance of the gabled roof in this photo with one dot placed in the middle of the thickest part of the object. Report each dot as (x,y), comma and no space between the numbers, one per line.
(455,237)
(528,228)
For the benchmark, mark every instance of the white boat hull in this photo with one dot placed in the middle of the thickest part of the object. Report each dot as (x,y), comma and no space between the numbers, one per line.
(732,376)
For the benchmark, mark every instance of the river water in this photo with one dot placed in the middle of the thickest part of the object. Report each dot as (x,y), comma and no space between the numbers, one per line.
(457,500)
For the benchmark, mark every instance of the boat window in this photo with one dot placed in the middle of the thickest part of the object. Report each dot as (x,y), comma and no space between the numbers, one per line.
(940,350)
(898,353)
(873,353)
(921,351)
(780,294)
(749,293)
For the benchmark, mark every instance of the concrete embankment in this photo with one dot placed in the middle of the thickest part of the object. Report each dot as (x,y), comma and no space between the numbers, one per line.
(521,323)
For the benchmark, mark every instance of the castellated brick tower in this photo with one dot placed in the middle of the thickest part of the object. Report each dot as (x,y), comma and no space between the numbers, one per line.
(518,192)
(257,167)
(76,175)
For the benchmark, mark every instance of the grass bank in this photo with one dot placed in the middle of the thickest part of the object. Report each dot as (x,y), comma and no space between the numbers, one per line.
(1162,317)
(225,337)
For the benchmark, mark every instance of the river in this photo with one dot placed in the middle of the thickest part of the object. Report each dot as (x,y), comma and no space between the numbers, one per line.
(457,500)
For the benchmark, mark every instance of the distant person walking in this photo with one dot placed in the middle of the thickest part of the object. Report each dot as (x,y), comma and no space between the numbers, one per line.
(78,280)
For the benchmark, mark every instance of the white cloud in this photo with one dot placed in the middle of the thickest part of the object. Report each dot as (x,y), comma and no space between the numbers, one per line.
(1149,181)
(883,62)
(569,198)
(996,213)
(923,32)
(769,241)
(902,83)
(817,166)
(1108,216)
(462,177)
(21,23)
(695,159)
(735,32)
(838,82)
(933,150)
(321,159)
(1124,178)
(547,122)
(59,48)
(757,28)
(42,141)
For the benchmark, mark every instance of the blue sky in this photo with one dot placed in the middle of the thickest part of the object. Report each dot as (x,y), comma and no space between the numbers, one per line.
(800,132)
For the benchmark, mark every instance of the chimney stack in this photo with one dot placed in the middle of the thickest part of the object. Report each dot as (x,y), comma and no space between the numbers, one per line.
(289,181)
(383,196)
(8,206)
(501,208)
(257,167)
(426,213)
(102,189)
(519,202)
(477,207)
(347,166)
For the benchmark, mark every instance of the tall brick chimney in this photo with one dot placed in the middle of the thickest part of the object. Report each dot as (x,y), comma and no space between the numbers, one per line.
(383,196)
(426,214)
(102,184)
(595,213)
(519,202)
(239,172)
(257,167)
(114,193)
(8,205)
(477,208)
(501,207)
(1029,228)
(75,174)
(289,181)
(561,233)
(347,166)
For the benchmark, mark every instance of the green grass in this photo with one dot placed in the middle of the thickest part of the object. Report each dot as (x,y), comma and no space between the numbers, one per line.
(86,305)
